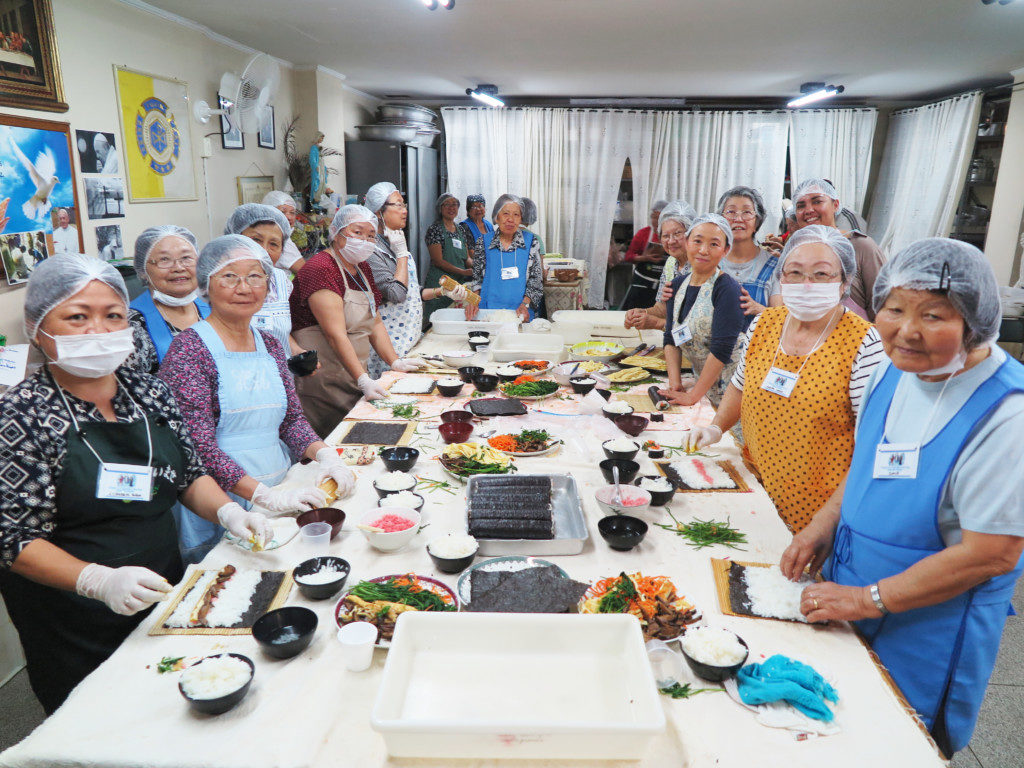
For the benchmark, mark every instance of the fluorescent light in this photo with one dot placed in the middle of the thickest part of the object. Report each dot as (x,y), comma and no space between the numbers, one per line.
(818,95)
(486,98)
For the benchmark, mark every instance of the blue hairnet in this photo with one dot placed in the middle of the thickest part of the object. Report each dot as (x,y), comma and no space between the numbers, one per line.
(814,186)
(60,277)
(718,221)
(250,214)
(350,214)
(956,268)
(750,194)
(473,199)
(147,241)
(378,194)
(275,199)
(830,236)
(504,200)
(224,250)
(678,211)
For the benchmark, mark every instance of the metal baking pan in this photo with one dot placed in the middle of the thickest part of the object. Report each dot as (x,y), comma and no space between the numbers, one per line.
(567,514)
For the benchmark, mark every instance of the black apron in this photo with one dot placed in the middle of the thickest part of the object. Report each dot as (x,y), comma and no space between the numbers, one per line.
(66,636)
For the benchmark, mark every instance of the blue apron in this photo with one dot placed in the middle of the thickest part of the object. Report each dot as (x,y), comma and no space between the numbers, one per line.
(941,656)
(275,316)
(496,293)
(758,289)
(475,230)
(253,404)
(155,323)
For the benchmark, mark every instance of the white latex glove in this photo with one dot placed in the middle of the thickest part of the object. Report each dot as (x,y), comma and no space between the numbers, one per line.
(396,239)
(408,364)
(125,590)
(247,526)
(701,437)
(458,293)
(333,466)
(372,389)
(283,500)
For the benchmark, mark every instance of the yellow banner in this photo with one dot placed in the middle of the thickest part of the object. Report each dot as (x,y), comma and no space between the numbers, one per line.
(134,89)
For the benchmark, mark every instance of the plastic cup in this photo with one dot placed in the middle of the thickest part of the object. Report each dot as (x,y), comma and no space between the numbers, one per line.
(667,665)
(357,641)
(315,538)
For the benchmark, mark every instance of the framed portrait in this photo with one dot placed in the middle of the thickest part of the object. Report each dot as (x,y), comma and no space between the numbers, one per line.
(231,136)
(39,210)
(252,189)
(267,137)
(97,152)
(29,65)
(156,136)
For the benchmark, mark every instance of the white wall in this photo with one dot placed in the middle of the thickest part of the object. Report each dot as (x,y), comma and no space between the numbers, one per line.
(1002,246)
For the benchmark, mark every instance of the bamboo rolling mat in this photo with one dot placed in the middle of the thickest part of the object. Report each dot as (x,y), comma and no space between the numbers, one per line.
(276,602)
(730,469)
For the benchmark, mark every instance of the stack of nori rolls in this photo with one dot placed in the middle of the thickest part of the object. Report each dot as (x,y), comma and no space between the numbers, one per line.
(511,507)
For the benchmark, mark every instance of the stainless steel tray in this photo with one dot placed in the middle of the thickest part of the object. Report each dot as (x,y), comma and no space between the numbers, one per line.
(567,514)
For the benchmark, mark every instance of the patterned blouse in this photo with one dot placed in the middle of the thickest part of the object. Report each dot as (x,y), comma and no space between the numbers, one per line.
(435,234)
(191,372)
(143,359)
(534,269)
(322,273)
(33,440)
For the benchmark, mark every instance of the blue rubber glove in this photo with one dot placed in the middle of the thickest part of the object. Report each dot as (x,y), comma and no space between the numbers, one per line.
(781,678)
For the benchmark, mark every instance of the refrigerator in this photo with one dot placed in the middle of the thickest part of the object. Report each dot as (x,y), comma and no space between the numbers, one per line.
(410,168)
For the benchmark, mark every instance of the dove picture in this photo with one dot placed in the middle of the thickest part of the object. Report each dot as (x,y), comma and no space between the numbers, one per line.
(36,174)
(42,173)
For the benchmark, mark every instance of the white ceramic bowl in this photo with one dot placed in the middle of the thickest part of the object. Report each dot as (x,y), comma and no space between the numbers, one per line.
(389,542)
(605,493)
(459,358)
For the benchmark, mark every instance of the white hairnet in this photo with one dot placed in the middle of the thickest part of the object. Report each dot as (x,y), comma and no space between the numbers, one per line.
(830,236)
(224,250)
(814,186)
(678,211)
(956,268)
(718,221)
(750,194)
(350,214)
(659,205)
(441,200)
(60,277)
(378,194)
(504,200)
(251,214)
(791,213)
(275,199)
(147,241)
(529,212)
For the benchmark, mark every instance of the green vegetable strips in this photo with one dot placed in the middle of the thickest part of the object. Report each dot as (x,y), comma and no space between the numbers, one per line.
(705,533)
(530,388)
(420,598)
(168,664)
(616,599)
(684,691)
(405,411)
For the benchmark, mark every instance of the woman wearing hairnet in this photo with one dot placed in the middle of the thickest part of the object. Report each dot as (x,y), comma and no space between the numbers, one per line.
(507,270)
(676,217)
(647,255)
(290,259)
(750,265)
(233,385)
(924,538)
(95,454)
(165,261)
(529,219)
(448,244)
(476,219)
(334,311)
(800,377)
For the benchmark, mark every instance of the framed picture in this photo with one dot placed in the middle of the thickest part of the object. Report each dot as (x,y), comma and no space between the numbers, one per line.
(252,189)
(231,137)
(267,137)
(156,136)
(109,244)
(104,197)
(97,152)
(38,195)
(29,65)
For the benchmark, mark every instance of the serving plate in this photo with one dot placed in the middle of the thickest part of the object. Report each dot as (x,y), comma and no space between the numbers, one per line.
(464,584)
(285,529)
(439,588)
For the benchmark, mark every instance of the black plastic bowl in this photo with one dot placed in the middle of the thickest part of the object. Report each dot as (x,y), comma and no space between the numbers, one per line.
(399,458)
(303,363)
(627,470)
(221,704)
(448,390)
(381,493)
(384,501)
(452,564)
(485,382)
(658,498)
(333,516)
(475,345)
(468,372)
(622,532)
(712,673)
(581,385)
(620,455)
(268,627)
(505,378)
(321,591)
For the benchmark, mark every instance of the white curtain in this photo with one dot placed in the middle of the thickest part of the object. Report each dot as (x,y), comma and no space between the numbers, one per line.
(834,144)
(924,164)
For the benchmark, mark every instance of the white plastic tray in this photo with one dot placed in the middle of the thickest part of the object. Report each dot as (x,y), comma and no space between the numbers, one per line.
(453,322)
(584,324)
(508,347)
(489,685)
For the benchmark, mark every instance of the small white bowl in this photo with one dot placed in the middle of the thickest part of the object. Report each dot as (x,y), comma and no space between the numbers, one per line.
(459,358)
(389,542)
(605,493)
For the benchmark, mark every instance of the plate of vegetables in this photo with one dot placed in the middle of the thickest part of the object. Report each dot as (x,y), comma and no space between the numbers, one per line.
(532,366)
(382,600)
(529,388)
(663,614)
(529,442)
(462,460)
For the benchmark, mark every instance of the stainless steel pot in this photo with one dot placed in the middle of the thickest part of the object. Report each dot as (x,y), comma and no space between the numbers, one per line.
(406,112)
(400,133)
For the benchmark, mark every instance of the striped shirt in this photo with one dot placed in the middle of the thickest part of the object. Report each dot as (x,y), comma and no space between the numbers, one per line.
(870,354)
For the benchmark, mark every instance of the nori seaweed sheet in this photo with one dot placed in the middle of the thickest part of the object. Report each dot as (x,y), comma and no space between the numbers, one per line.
(496,513)
(262,597)
(511,529)
(497,406)
(375,433)
(738,599)
(541,589)
(522,481)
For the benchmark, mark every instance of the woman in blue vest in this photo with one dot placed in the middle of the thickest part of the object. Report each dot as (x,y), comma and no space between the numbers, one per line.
(507,270)
(923,541)
(476,218)
(165,261)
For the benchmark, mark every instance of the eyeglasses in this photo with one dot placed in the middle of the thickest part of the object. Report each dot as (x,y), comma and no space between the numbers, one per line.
(793,276)
(231,280)
(732,213)
(673,236)
(166,262)
(399,206)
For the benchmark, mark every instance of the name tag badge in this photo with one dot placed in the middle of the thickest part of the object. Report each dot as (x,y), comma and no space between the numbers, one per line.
(897,461)
(125,482)
(510,273)
(261,322)
(456,243)
(780,382)
(681,334)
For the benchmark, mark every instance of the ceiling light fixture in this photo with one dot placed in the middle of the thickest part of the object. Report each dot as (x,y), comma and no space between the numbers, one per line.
(486,93)
(813,92)
(433,5)
(1001,2)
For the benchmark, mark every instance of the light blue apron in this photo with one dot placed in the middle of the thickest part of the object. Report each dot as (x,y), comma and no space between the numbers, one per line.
(496,293)
(155,323)
(275,316)
(941,656)
(253,404)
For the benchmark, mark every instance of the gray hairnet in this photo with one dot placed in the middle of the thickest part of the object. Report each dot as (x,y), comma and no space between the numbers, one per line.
(814,186)
(350,214)
(791,213)
(224,250)
(957,268)
(659,205)
(147,241)
(378,194)
(275,199)
(440,201)
(529,212)
(504,200)
(830,236)
(60,277)
(251,214)
(678,211)
(718,221)
(752,195)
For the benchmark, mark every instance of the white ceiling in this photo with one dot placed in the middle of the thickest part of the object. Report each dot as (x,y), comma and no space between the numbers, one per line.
(879,49)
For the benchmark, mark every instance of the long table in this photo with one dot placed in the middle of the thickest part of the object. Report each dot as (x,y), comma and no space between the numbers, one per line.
(310,711)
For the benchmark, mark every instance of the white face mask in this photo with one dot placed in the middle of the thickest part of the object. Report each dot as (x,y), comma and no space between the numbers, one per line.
(174,301)
(92,355)
(953,366)
(356,251)
(811,301)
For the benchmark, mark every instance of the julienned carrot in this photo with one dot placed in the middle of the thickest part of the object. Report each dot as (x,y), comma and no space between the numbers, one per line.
(502,442)
(523,379)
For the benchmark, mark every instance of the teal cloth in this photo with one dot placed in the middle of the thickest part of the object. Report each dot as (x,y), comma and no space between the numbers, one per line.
(781,678)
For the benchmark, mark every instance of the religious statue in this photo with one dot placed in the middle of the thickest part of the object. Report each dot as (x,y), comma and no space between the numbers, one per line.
(318,170)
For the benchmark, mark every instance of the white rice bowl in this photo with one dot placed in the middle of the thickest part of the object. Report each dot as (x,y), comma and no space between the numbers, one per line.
(713,646)
(656,484)
(621,445)
(325,574)
(452,546)
(214,677)
(450,381)
(403,499)
(618,407)
(395,481)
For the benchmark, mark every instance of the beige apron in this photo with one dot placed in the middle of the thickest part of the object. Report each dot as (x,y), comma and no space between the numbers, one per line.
(331,393)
